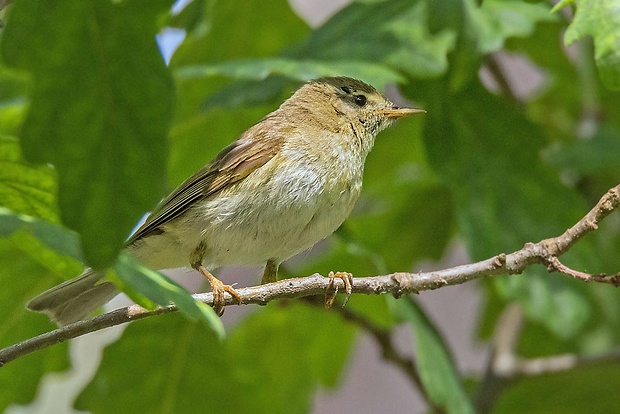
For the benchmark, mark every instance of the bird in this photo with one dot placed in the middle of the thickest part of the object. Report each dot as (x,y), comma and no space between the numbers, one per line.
(286,183)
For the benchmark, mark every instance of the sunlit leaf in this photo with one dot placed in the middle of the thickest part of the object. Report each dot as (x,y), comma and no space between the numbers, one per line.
(599,19)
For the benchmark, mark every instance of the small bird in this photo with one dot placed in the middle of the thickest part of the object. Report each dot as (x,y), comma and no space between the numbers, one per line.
(286,183)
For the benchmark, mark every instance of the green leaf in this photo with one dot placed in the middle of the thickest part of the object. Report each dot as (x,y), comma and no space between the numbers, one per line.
(497,20)
(437,370)
(480,28)
(272,362)
(25,188)
(53,236)
(601,20)
(162,290)
(301,70)
(20,378)
(101,105)
(392,32)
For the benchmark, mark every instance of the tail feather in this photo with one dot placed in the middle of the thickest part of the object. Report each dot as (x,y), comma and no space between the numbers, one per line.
(74,299)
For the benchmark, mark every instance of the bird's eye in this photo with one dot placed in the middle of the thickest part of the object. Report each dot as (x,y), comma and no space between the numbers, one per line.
(360,100)
(345,89)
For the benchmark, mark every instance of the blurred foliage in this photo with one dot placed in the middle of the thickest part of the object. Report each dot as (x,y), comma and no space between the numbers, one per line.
(95,128)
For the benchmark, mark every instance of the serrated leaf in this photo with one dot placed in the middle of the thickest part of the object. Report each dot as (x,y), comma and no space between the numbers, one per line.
(601,20)
(162,290)
(272,362)
(101,105)
(435,366)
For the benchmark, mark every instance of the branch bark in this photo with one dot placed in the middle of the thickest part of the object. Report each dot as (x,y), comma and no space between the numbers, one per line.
(545,252)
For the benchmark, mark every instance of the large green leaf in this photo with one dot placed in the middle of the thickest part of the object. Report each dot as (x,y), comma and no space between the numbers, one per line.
(437,370)
(271,363)
(100,110)
(601,20)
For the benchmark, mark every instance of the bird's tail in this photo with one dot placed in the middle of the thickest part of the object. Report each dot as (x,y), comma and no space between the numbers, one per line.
(74,299)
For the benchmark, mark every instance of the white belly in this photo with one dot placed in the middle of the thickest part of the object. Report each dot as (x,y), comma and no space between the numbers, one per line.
(273,215)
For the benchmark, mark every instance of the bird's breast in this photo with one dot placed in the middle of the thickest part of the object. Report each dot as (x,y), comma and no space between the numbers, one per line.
(279,210)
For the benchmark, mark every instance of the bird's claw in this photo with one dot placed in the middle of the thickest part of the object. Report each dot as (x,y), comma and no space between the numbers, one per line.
(332,289)
(218,288)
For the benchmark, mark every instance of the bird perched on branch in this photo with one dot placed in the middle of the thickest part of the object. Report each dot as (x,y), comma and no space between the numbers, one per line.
(285,184)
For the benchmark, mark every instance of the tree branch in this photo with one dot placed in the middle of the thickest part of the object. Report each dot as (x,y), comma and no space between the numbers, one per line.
(544,252)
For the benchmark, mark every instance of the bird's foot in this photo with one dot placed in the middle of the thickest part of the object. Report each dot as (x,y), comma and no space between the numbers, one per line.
(332,288)
(218,288)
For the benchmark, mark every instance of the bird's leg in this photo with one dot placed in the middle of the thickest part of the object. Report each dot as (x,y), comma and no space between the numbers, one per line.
(347,279)
(271,272)
(217,286)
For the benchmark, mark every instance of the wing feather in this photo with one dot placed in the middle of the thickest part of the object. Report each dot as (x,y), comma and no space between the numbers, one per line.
(232,164)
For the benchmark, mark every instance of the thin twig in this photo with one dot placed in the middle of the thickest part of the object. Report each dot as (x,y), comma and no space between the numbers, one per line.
(396,284)
(524,367)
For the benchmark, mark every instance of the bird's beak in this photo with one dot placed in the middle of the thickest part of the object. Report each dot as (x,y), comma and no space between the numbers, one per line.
(396,112)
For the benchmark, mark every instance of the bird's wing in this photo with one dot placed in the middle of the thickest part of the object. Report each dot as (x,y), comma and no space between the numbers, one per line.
(232,164)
